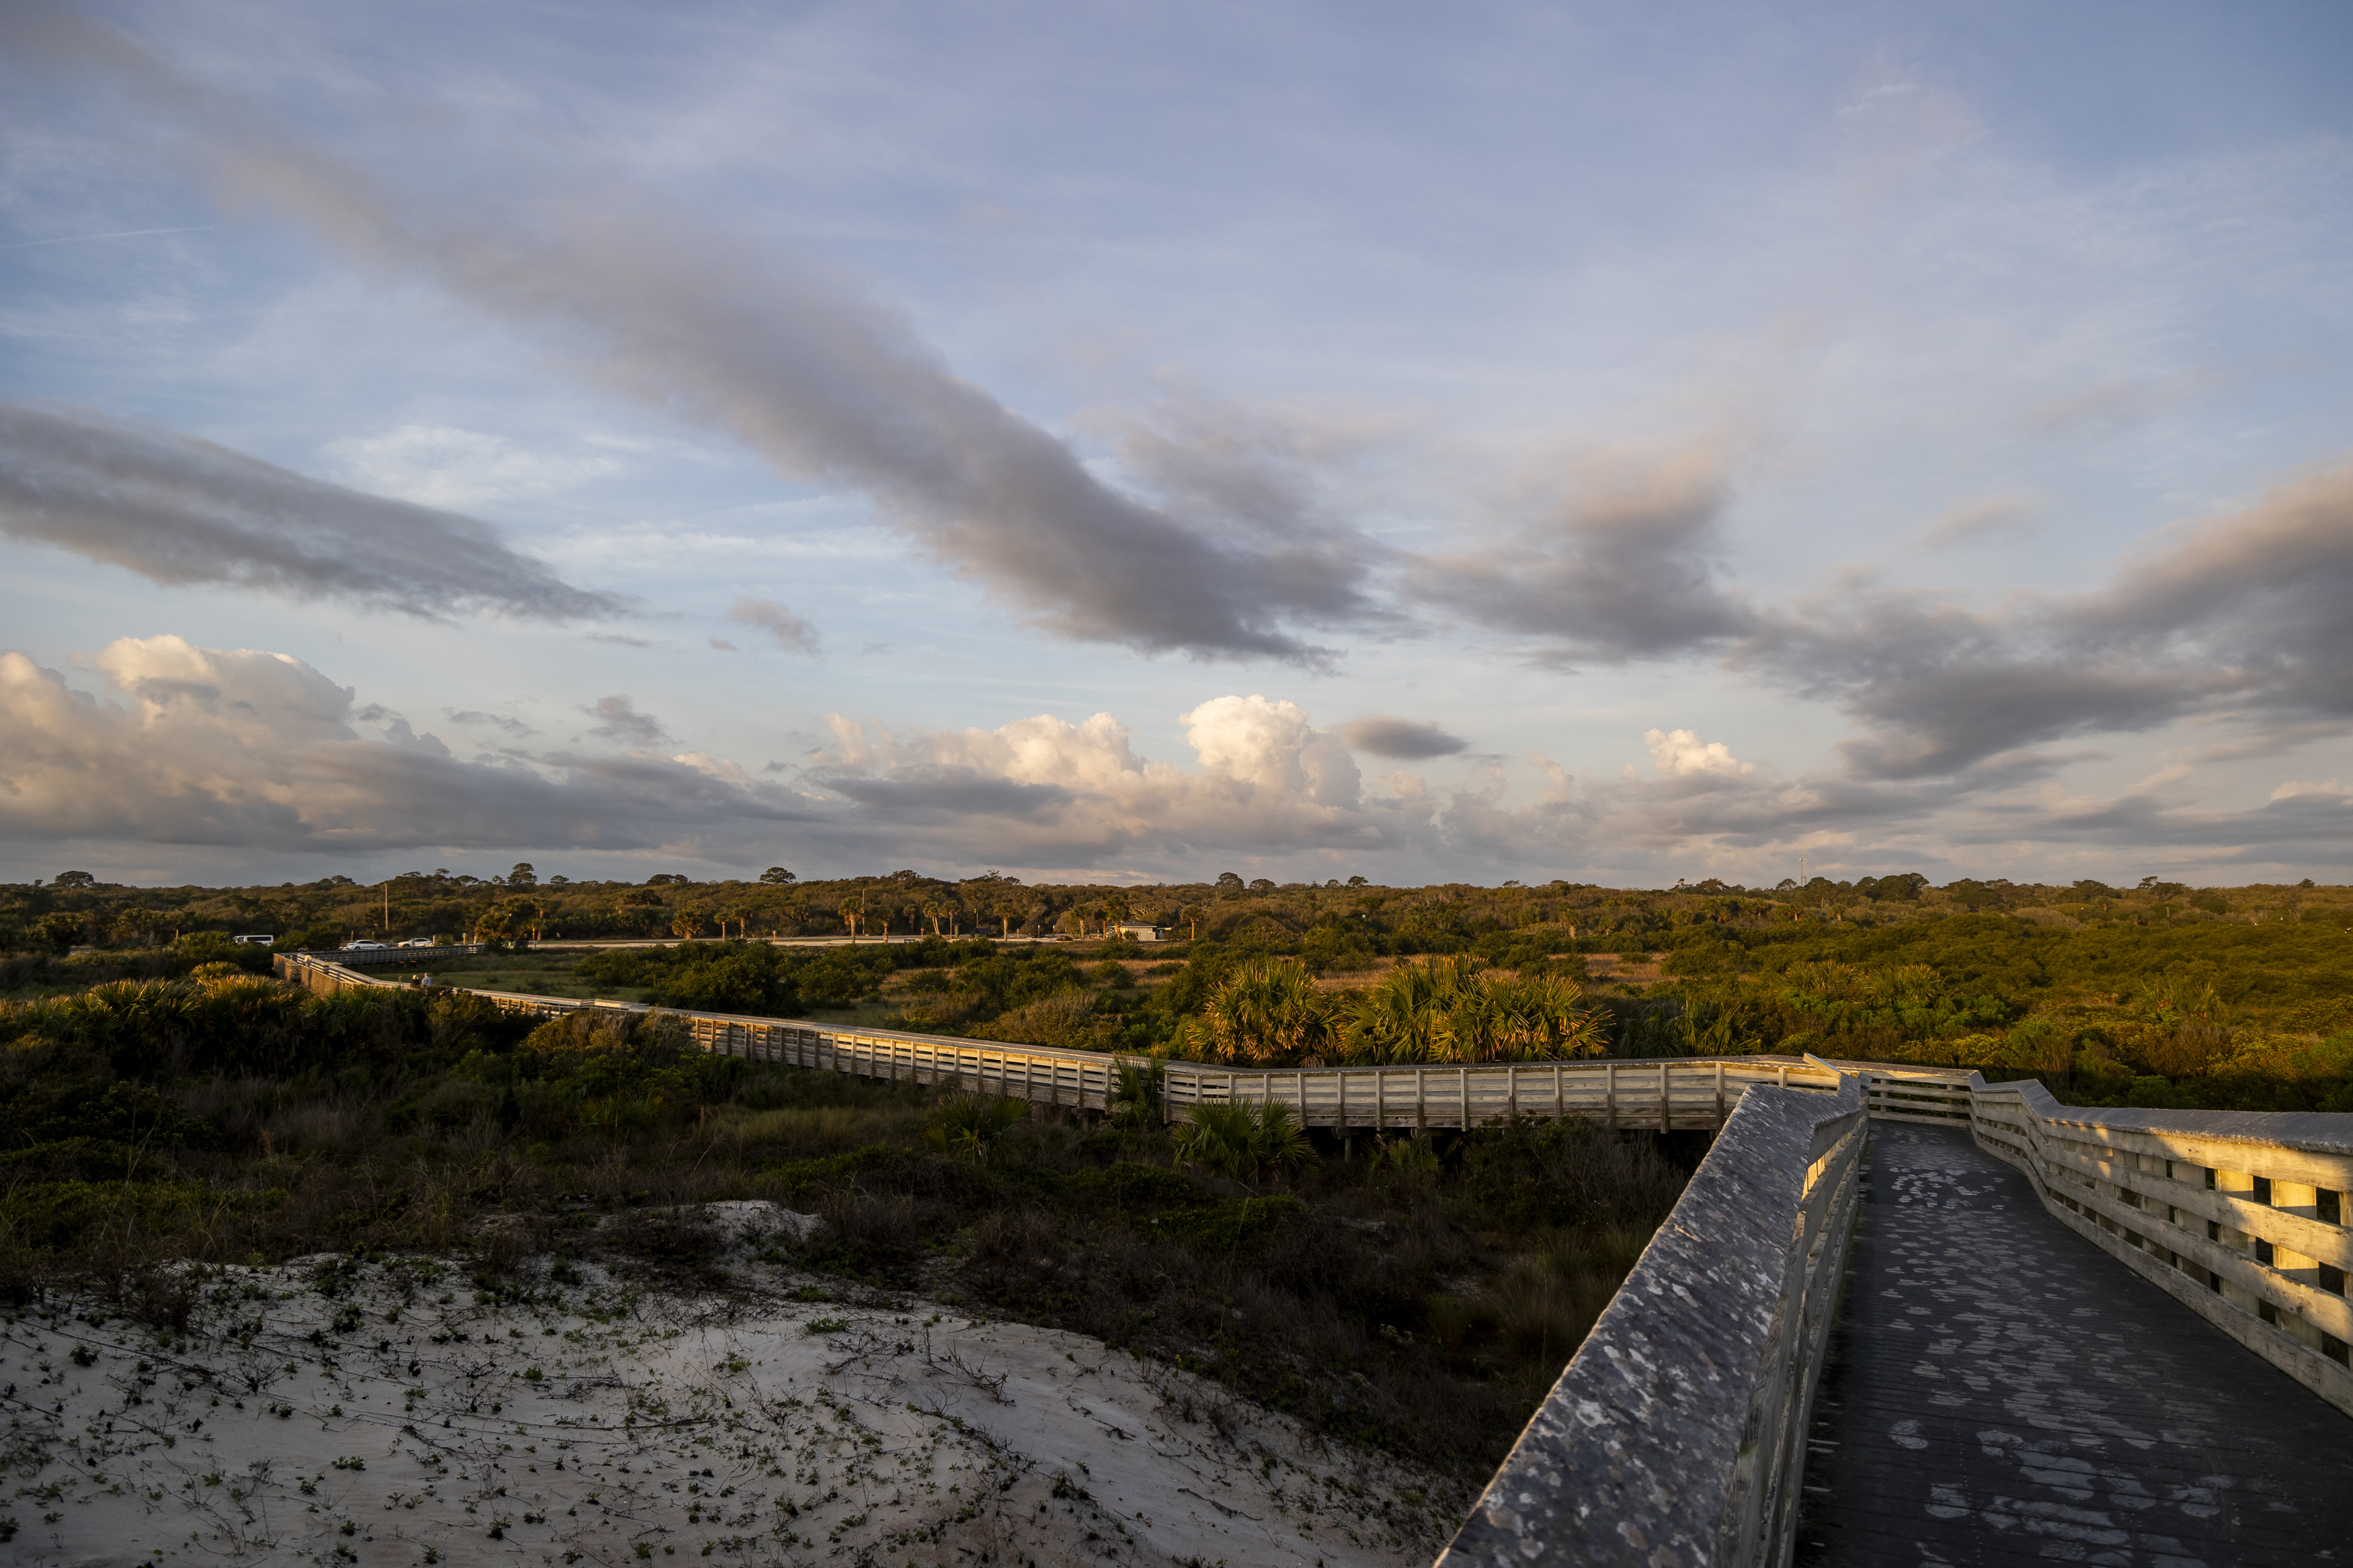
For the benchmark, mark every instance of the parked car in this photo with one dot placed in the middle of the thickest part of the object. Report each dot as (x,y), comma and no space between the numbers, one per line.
(265,940)
(362,946)
(418,942)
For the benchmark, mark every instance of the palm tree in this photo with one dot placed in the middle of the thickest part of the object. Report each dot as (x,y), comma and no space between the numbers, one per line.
(1265,1012)
(852,908)
(1244,1141)
(1006,913)
(1445,1009)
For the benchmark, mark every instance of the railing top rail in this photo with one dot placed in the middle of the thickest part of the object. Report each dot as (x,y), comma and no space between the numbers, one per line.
(2319,1132)
(1633,1455)
(1811,1074)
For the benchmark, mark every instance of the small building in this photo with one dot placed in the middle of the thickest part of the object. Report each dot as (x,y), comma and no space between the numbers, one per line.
(1140,930)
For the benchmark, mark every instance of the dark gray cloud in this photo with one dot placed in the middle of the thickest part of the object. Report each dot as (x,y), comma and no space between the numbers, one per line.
(514,727)
(791,633)
(177,510)
(1621,564)
(793,359)
(256,751)
(617,719)
(1403,739)
(2242,616)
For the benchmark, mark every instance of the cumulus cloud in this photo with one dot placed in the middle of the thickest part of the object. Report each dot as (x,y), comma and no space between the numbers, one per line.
(1268,781)
(1404,739)
(1680,754)
(1619,561)
(790,357)
(791,633)
(617,719)
(176,510)
(258,751)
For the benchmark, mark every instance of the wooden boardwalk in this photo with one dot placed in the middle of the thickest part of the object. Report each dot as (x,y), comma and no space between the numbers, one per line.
(1999,1390)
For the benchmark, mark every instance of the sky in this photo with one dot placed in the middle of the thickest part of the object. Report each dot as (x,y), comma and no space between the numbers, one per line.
(1618,443)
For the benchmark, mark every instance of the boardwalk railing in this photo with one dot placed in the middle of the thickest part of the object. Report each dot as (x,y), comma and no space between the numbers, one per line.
(355,955)
(1680,1093)
(1677,1434)
(2239,1214)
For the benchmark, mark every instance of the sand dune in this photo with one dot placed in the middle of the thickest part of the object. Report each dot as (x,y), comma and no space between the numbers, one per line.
(387,1412)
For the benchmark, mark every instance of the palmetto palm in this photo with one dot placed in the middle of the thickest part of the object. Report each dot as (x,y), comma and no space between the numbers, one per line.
(1265,1012)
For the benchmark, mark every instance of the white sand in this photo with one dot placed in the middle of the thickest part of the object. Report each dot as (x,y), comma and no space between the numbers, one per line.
(382,1414)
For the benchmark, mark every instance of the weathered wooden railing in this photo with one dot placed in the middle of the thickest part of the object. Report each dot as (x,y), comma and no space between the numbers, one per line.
(1677,1434)
(1680,1093)
(356,956)
(2239,1214)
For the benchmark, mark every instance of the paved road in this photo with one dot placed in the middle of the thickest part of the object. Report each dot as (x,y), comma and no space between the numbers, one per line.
(1999,1390)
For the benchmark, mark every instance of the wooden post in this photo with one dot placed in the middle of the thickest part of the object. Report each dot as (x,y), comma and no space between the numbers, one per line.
(1719,1093)
(1559,1105)
(1666,1124)
(1421,1099)
(1609,1095)
(1463,1083)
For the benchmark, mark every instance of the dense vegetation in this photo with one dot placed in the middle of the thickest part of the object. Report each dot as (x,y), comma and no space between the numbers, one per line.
(161,1099)
(2157,994)
(1419,1294)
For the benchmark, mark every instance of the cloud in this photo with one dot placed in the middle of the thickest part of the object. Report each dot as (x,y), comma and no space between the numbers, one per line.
(793,634)
(1975,522)
(259,751)
(514,727)
(1679,754)
(1402,739)
(179,511)
(617,719)
(2332,790)
(1620,562)
(2238,616)
(437,465)
(1045,790)
(794,360)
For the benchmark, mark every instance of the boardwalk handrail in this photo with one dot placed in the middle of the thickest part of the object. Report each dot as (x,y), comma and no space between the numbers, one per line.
(2239,1214)
(1662,1095)
(1677,1433)
(350,955)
